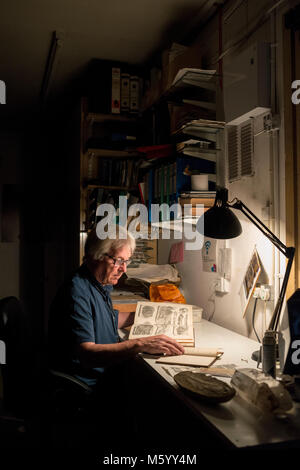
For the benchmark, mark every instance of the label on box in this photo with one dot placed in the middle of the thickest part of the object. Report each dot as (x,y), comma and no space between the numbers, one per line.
(134,94)
(115,90)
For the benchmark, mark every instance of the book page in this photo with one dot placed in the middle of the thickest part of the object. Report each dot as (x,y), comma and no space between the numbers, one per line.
(163,318)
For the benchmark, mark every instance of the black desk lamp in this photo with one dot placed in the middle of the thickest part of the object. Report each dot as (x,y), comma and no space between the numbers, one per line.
(220,222)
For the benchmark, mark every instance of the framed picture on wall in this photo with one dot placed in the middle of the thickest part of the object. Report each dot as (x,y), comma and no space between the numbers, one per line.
(250,279)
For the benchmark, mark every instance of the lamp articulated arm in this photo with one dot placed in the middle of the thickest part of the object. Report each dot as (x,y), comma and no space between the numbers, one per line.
(289,253)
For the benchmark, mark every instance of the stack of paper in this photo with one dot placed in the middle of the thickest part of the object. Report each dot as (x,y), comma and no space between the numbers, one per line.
(195,77)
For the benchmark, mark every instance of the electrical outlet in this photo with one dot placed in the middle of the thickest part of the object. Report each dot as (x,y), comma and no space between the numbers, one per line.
(256,293)
(218,285)
(222,285)
(265,292)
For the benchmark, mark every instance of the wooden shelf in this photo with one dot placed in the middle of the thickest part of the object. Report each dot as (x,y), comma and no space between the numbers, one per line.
(98,117)
(113,153)
(205,80)
(118,188)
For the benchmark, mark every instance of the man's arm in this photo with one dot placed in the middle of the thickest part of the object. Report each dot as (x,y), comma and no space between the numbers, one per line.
(100,355)
(125,319)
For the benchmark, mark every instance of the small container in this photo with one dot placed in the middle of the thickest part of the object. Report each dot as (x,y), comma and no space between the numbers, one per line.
(269,353)
(199,182)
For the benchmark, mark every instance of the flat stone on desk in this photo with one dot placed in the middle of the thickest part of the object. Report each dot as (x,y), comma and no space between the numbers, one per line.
(204,387)
(261,390)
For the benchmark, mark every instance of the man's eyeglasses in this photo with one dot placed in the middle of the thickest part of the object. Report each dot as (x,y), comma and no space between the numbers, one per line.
(119,261)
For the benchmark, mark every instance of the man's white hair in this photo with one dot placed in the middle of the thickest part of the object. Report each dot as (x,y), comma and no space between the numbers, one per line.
(117,237)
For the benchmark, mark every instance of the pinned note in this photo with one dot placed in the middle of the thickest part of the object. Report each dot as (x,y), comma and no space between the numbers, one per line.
(177,253)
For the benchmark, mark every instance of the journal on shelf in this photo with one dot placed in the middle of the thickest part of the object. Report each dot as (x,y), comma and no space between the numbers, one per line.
(164,318)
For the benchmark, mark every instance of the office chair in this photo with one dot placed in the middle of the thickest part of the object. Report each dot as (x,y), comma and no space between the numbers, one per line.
(15,371)
(39,406)
(68,418)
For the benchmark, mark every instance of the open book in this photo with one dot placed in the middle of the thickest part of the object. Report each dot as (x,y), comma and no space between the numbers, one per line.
(164,318)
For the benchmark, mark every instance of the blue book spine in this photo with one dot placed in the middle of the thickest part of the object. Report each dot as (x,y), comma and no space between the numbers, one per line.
(150,193)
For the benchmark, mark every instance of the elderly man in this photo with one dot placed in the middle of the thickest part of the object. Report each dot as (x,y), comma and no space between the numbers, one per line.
(83,326)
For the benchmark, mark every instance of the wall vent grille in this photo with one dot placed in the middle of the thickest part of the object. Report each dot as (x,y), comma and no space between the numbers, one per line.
(240,150)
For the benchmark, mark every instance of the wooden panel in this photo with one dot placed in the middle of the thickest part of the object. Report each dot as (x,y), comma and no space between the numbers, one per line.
(125,307)
(289,153)
(297,167)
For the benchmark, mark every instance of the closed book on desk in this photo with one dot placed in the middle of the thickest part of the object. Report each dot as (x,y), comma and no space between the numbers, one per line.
(196,357)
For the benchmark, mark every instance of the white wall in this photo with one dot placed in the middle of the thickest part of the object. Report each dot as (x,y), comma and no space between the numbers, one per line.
(198,286)
(257,192)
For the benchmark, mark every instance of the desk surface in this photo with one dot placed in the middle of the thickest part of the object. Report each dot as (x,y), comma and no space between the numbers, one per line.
(237,422)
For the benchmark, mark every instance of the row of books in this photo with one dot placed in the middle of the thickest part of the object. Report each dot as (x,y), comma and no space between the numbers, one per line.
(114,141)
(113,87)
(164,183)
(125,92)
(98,196)
(190,199)
(116,172)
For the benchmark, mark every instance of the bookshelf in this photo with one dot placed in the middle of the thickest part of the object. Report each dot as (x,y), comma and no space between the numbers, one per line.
(195,133)
(110,167)
(109,162)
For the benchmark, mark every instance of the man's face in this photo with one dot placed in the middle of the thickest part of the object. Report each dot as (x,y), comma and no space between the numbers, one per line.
(111,271)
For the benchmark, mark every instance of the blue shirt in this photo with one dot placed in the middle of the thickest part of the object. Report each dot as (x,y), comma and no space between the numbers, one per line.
(81,312)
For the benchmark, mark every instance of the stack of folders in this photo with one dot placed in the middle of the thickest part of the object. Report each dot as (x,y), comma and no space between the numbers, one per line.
(196,77)
(198,138)
(190,199)
(198,127)
(197,148)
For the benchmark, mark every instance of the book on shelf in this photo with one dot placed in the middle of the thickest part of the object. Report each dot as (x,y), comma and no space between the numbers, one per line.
(125,91)
(192,194)
(201,104)
(167,318)
(196,77)
(141,187)
(205,99)
(197,127)
(156,151)
(198,152)
(181,114)
(112,87)
(198,143)
(165,182)
(115,90)
(115,172)
(191,199)
(120,140)
(134,96)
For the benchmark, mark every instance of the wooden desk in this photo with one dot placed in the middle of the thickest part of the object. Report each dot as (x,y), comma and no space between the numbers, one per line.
(237,423)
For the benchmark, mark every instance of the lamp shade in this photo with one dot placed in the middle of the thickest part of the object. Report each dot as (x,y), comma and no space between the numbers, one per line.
(221,222)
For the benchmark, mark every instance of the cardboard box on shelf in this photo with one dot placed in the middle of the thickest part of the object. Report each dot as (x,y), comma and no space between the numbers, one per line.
(191,57)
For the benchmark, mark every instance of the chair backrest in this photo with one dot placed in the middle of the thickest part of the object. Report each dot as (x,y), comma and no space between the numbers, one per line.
(15,334)
(14,328)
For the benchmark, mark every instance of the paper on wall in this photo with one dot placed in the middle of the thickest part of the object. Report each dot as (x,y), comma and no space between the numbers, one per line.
(209,255)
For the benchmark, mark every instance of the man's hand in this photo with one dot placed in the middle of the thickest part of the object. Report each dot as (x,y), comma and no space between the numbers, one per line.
(160,344)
